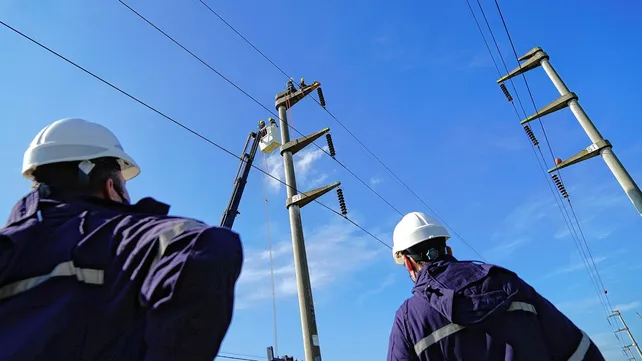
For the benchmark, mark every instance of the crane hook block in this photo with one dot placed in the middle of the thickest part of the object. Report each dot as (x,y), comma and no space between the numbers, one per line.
(270,138)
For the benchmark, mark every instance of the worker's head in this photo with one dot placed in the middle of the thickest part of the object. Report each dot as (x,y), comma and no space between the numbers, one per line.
(81,157)
(418,239)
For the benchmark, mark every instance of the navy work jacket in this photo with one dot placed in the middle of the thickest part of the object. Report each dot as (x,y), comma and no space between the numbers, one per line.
(89,279)
(466,311)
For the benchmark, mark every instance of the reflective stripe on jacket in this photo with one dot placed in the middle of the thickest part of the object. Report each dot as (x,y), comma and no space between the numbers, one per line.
(470,312)
(87,279)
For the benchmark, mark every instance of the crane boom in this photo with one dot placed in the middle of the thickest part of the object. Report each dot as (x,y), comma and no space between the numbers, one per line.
(242,174)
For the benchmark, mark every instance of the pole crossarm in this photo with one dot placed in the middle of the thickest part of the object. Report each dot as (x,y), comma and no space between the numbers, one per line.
(557,104)
(589,152)
(536,57)
(294,146)
(302,199)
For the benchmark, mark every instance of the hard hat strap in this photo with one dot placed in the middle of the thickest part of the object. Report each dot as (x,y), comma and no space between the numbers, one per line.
(430,255)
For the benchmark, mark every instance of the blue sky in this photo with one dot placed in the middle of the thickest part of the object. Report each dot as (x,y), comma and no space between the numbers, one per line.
(417,86)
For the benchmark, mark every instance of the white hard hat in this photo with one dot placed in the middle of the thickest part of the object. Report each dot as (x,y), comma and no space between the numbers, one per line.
(71,139)
(414,228)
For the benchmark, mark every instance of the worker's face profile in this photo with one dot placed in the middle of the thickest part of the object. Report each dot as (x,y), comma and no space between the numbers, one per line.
(413,276)
(117,189)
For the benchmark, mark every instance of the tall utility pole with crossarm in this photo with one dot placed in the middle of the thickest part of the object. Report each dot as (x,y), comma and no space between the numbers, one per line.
(295,201)
(600,146)
(625,328)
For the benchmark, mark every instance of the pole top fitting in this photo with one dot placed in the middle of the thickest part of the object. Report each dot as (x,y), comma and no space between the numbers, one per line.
(530,53)
(532,60)
(291,96)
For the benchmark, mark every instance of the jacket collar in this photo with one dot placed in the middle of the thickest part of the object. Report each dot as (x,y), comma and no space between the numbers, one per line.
(29,205)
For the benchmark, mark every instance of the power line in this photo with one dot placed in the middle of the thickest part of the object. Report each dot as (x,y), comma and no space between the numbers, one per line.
(259,103)
(354,137)
(550,147)
(541,123)
(242,355)
(235,358)
(556,196)
(490,30)
(169,118)
(528,88)
(486,42)
(588,260)
(244,38)
(558,199)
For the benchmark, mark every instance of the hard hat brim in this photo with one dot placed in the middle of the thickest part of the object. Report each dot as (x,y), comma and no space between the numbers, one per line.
(130,173)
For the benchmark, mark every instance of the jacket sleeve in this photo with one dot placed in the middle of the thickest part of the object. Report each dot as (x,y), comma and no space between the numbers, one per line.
(189,291)
(399,347)
(564,339)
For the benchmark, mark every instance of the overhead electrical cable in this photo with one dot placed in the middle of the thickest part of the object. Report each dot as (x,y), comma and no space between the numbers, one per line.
(574,234)
(556,196)
(588,260)
(363,146)
(528,88)
(235,358)
(550,147)
(185,127)
(558,199)
(261,105)
(242,355)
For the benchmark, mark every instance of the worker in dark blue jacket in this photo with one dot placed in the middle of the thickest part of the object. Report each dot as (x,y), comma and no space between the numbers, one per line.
(464,311)
(85,275)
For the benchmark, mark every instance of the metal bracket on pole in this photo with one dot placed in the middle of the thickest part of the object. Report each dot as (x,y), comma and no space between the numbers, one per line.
(557,104)
(533,60)
(303,199)
(289,97)
(300,143)
(589,152)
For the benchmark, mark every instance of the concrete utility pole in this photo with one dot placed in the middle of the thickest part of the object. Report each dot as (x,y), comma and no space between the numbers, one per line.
(296,200)
(537,57)
(625,328)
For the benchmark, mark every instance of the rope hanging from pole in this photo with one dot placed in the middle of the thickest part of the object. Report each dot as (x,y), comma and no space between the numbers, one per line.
(269,239)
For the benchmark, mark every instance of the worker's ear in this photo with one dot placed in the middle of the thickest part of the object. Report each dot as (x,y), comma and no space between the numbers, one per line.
(408,263)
